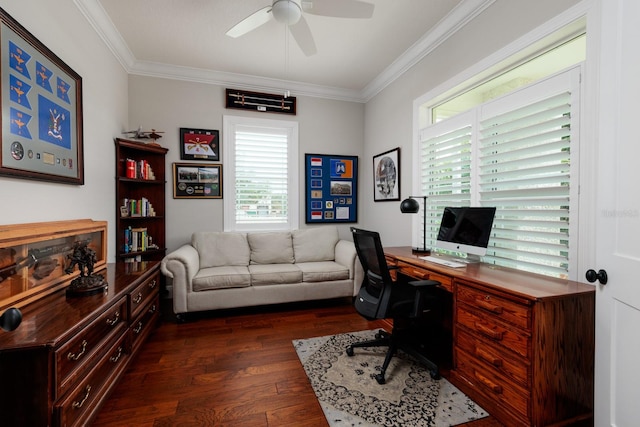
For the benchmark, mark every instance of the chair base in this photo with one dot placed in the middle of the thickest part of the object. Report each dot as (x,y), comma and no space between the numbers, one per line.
(395,342)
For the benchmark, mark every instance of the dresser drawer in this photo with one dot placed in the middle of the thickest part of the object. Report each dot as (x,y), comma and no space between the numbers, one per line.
(492,384)
(507,337)
(143,293)
(142,326)
(77,406)
(494,305)
(422,274)
(71,359)
(505,363)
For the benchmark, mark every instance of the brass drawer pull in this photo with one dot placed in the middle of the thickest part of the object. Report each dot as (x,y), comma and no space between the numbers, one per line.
(115,319)
(496,388)
(116,356)
(485,330)
(153,284)
(138,328)
(485,304)
(495,361)
(78,404)
(138,298)
(83,349)
(152,309)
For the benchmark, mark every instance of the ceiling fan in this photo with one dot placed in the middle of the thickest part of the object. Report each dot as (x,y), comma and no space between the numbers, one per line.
(290,13)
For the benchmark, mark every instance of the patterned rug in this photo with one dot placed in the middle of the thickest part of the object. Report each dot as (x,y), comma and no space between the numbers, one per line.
(350,396)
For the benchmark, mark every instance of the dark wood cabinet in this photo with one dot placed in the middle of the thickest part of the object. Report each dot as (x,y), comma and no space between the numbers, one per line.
(61,363)
(140,201)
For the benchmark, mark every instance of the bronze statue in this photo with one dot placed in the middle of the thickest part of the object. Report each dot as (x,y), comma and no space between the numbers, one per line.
(87,283)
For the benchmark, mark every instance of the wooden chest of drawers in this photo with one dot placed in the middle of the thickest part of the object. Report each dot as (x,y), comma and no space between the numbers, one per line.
(60,365)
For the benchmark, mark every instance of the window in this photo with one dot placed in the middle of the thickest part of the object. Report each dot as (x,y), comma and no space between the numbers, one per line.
(261,174)
(517,153)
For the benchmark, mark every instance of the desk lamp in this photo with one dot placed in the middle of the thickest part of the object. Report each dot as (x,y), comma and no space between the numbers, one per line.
(411,205)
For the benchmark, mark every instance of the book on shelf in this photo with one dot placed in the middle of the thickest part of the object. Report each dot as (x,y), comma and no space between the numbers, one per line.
(139,170)
(137,208)
(136,239)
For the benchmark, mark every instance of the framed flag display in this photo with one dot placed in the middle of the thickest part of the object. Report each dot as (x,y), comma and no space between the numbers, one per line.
(41,100)
(199,144)
(331,188)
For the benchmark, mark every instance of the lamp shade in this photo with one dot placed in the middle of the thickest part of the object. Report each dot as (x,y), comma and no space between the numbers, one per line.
(286,11)
(409,206)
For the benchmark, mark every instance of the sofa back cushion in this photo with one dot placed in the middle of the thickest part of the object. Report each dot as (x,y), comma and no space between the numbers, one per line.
(271,248)
(315,244)
(220,248)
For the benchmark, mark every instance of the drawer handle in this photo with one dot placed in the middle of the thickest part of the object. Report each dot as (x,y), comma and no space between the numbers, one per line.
(138,298)
(152,285)
(78,404)
(495,361)
(152,309)
(138,328)
(420,274)
(83,349)
(115,319)
(493,334)
(489,307)
(116,356)
(496,388)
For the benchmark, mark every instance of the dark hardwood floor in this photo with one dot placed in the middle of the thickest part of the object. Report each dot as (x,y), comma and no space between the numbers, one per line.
(230,368)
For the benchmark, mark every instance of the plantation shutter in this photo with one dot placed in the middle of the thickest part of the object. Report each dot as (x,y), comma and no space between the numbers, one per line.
(525,171)
(445,150)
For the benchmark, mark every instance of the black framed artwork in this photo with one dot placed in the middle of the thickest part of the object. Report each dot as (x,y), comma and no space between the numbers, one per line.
(41,101)
(199,144)
(197,181)
(386,176)
(331,188)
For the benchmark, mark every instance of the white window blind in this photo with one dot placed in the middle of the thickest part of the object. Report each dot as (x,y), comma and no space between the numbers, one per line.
(261,176)
(518,154)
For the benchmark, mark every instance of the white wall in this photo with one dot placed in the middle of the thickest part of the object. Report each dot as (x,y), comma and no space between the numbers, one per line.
(325,127)
(389,115)
(61,27)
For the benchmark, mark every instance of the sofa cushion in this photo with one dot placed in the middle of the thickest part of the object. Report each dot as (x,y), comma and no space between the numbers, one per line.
(271,248)
(323,271)
(221,278)
(315,244)
(274,274)
(217,249)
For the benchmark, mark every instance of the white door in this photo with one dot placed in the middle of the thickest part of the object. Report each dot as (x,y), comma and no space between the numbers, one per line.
(617,378)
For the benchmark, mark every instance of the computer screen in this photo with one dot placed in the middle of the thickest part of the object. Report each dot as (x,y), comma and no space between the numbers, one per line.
(466,229)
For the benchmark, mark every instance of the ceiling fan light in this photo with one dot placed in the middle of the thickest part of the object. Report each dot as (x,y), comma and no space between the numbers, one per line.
(286,11)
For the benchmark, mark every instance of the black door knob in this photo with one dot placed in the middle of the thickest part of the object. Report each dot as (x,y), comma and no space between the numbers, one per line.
(600,276)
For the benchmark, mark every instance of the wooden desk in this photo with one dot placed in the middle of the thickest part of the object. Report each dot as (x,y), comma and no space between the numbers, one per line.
(523,344)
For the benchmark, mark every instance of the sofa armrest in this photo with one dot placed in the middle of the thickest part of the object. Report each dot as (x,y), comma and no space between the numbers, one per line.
(181,265)
(346,255)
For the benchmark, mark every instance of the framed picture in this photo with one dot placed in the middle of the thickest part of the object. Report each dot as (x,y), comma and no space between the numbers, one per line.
(331,188)
(386,176)
(197,181)
(41,110)
(199,144)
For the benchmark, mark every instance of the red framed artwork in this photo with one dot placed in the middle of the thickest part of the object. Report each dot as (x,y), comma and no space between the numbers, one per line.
(199,144)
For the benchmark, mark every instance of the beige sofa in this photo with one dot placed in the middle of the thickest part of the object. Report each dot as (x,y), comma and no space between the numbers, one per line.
(227,269)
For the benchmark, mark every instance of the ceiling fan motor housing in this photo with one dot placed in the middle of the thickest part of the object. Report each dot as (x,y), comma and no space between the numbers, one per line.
(286,11)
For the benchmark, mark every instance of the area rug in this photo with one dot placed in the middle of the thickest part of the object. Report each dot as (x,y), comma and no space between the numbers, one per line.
(350,396)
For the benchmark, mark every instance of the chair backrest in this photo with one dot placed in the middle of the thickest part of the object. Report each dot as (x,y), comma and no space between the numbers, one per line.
(374,297)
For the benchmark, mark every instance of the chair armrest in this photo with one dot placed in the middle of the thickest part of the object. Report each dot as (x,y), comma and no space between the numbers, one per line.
(346,255)
(181,265)
(423,293)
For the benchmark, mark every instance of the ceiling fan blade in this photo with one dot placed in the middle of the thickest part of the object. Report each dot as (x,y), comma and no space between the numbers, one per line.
(302,35)
(339,8)
(251,22)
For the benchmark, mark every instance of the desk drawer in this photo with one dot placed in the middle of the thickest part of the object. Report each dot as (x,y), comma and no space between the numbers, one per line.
(495,386)
(494,305)
(504,363)
(497,332)
(423,274)
(143,325)
(144,293)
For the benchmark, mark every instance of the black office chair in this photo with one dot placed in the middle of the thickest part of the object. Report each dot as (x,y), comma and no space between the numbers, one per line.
(381,298)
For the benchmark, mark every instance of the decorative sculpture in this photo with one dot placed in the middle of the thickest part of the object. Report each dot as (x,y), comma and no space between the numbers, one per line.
(87,283)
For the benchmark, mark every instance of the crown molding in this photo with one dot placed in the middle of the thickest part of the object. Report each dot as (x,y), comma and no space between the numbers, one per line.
(456,19)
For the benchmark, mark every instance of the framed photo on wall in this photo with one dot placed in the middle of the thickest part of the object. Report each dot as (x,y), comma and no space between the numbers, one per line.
(197,181)
(199,144)
(331,188)
(386,176)
(41,101)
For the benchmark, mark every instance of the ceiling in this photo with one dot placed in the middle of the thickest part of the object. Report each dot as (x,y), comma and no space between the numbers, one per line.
(355,59)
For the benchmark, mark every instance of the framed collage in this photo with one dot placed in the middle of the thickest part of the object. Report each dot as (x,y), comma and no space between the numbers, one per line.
(197,181)
(331,186)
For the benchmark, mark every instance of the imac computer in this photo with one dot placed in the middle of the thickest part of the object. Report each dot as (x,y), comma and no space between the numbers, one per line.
(466,230)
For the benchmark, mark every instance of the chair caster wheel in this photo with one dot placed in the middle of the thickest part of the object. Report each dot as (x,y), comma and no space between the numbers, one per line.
(380,379)
(349,351)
